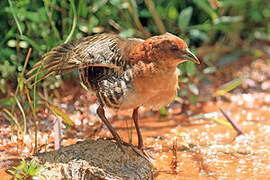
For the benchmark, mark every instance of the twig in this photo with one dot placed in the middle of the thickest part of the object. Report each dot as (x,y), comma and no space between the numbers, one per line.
(26,60)
(136,19)
(57,131)
(233,123)
(174,162)
(156,17)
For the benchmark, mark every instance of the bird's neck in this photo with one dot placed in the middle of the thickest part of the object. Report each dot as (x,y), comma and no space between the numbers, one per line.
(144,52)
(158,69)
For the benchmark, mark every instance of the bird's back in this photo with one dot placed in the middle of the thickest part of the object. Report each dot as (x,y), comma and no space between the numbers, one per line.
(101,62)
(110,84)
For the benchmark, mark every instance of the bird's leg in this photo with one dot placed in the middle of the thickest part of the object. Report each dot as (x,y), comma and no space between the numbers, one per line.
(135,119)
(101,114)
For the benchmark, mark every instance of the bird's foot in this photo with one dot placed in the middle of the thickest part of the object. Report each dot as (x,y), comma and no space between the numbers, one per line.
(138,150)
(119,143)
(141,151)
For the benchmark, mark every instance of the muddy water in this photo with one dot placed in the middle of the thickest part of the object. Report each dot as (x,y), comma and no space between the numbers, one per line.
(192,146)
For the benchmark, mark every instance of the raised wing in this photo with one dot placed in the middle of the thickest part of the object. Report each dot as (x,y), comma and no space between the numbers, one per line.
(99,50)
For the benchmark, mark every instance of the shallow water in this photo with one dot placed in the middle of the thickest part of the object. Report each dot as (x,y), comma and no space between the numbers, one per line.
(195,147)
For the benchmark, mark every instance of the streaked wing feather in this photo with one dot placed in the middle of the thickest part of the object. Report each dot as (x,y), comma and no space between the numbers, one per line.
(99,50)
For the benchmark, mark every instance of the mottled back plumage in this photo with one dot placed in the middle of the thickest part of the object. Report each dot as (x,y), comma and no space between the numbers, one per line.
(100,61)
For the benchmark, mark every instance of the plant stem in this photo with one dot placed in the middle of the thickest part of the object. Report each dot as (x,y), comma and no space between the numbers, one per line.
(74,21)
(155,15)
(49,14)
(15,17)
(136,19)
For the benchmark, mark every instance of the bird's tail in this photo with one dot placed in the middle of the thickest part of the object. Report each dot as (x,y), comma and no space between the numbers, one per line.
(55,61)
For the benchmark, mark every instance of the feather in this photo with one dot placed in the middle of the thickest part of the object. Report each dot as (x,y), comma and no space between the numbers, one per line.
(92,51)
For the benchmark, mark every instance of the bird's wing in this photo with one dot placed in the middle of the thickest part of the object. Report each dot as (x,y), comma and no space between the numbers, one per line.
(99,50)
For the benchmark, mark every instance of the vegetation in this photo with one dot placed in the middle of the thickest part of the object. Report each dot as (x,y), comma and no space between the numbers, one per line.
(27,170)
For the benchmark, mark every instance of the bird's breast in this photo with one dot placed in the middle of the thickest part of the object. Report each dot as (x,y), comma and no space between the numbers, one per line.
(153,86)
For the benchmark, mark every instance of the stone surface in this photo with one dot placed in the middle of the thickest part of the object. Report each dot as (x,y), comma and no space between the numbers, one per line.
(101,159)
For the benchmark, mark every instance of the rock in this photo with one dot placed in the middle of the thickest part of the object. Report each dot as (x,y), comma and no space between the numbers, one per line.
(101,159)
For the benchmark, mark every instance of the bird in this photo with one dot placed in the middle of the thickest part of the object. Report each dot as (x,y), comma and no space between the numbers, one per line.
(124,73)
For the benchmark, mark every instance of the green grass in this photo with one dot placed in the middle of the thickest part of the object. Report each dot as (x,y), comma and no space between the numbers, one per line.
(27,170)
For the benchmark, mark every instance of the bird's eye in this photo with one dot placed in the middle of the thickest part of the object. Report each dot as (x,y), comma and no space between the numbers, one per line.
(174,48)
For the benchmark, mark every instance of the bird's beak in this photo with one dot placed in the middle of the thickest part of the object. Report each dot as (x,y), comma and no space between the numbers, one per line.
(188,55)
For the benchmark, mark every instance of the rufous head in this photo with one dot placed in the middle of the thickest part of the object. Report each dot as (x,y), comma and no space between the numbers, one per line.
(169,46)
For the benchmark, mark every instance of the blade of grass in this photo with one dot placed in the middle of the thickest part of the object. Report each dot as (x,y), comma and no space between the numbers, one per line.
(35,111)
(184,18)
(13,118)
(23,114)
(34,116)
(15,17)
(88,90)
(57,119)
(33,108)
(228,87)
(58,112)
(74,21)
(219,121)
(21,82)
(7,101)
(8,35)
(21,75)
(49,14)
(205,6)
(20,86)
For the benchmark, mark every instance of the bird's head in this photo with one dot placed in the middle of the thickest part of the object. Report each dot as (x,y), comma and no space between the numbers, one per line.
(166,47)
(171,47)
